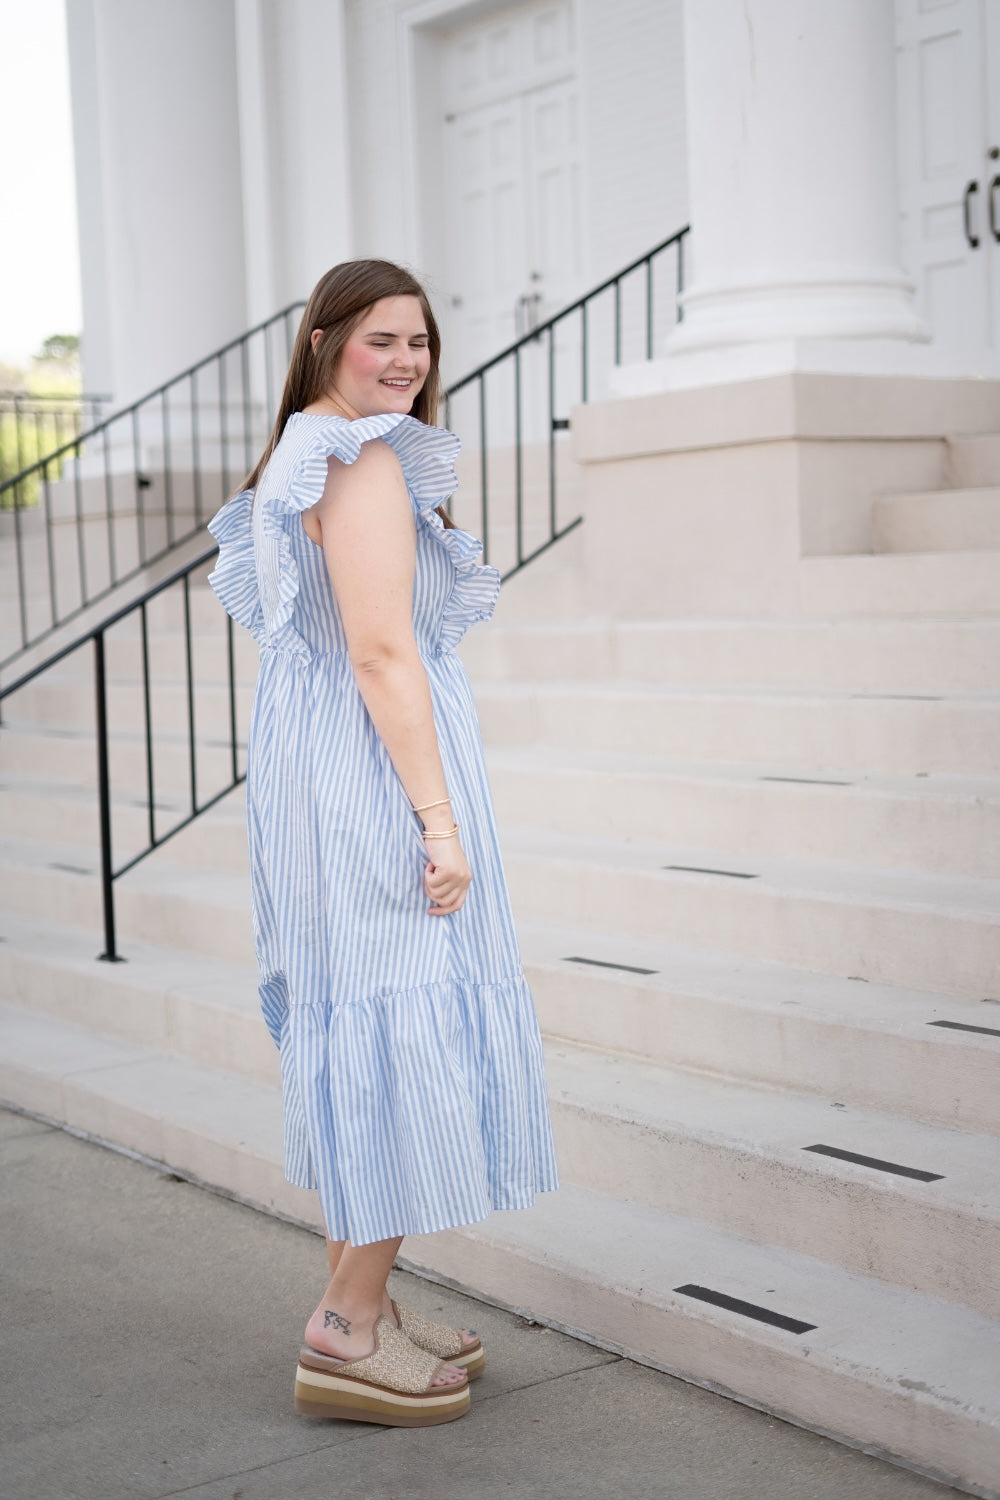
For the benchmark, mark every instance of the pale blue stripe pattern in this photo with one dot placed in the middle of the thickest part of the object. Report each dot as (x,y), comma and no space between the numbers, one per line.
(411,1062)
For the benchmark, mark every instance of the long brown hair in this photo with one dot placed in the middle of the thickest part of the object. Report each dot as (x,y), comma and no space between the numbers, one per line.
(339,301)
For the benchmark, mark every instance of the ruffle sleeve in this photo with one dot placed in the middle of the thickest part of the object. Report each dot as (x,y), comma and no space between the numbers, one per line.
(427,457)
(234,577)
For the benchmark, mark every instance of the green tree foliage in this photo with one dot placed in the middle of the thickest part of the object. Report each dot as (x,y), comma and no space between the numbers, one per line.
(30,429)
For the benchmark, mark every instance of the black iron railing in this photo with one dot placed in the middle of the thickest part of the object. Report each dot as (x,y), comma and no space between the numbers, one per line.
(204,788)
(512,411)
(34,425)
(617,320)
(108,502)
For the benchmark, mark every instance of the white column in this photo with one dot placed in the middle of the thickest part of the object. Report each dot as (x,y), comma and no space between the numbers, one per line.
(294,146)
(154,102)
(794,257)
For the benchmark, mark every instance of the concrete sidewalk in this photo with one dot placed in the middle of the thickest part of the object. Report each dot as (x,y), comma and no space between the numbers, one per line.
(150,1331)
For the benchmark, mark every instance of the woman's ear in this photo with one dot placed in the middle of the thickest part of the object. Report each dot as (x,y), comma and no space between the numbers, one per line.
(316,338)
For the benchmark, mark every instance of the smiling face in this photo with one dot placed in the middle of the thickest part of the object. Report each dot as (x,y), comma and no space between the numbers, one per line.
(384,362)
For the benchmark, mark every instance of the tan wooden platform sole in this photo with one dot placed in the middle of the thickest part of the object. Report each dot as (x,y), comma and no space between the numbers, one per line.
(321,1395)
(474,1364)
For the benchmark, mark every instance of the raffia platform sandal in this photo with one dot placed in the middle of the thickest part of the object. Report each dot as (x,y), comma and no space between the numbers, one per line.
(446,1343)
(391,1386)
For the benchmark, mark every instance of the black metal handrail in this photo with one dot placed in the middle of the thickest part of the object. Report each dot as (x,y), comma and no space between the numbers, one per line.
(180,580)
(561,377)
(102,507)
(33,423)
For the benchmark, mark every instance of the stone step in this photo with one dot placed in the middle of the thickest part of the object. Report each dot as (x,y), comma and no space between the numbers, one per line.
(939,824)
(887,927)
(68,703)
(974,459)
(841,1351)
(906,1052)
(167,999)
(821,733)
(938,521)
(69,757)
(164,904)
(882,1367)
(873,1046)
(893,656)
(921,584)
(669,1138)
(744,1159)
(884,926)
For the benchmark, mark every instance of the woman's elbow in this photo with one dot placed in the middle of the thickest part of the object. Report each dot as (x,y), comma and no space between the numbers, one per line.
(375,659)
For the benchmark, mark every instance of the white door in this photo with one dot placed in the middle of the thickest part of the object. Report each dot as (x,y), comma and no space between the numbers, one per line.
(949,157)
(512,175)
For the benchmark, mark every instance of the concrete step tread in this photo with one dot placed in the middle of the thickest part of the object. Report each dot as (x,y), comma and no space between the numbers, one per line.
(158,971)
(913,1342)
(754,984)
(875,1331)
(802,1031)
(751,1119)
(967,897)
(199,1100)
(613,690)
(957,495)
(816,627)
(766,1123)
(942,786)
(156,875)
(231,808)
(935,786)
(956,895)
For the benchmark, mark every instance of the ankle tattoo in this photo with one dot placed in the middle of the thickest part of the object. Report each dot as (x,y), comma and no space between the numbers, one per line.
(334,1320)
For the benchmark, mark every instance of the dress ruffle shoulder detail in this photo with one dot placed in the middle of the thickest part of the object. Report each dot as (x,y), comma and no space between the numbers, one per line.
(427,456)
(234,578)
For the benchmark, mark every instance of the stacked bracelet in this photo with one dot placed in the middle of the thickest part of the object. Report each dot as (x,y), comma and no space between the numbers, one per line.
(428,805)
(449,834)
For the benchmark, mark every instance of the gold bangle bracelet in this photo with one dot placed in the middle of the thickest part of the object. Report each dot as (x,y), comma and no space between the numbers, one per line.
(449,835)
(428,805)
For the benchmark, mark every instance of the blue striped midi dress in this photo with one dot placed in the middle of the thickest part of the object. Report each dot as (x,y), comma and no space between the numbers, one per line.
(411,1063)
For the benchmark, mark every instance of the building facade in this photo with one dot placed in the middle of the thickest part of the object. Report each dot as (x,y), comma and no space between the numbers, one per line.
(514,154)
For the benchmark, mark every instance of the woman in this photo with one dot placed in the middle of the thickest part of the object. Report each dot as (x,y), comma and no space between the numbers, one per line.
(390,978)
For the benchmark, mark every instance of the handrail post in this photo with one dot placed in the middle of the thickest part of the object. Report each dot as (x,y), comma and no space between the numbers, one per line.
(110,954)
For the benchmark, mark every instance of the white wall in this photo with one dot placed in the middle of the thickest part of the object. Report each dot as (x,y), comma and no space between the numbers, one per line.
(631,77)
(295,154)
(632,56)
(158,180)
(230,152)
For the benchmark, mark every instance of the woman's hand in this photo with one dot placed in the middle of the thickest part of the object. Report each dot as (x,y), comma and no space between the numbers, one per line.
(447,877)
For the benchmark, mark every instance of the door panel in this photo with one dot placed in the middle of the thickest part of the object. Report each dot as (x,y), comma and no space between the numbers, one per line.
(512,215)
(943,140)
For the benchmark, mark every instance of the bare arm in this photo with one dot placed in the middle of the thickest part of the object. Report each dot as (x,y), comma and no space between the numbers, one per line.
(369,541)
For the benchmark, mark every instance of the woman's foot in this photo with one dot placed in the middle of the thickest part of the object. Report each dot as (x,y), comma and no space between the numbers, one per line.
(469,1336)
(398,1385)
(348,1332)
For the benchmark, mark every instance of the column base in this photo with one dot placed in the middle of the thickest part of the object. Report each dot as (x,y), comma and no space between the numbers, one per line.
(722,365)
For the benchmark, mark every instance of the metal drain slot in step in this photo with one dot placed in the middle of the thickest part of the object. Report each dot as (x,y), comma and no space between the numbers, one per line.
(747,1309)
(807,780)
(56,864)
(602,963)
(903,697)
(876,1163)
(705,870)
(964,1026)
